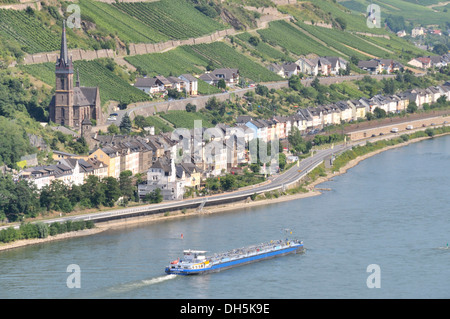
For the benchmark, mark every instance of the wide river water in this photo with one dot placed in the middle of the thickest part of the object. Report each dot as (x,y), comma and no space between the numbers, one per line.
(390,213)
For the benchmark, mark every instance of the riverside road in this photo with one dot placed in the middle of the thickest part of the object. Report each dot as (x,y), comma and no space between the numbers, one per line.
(277,182)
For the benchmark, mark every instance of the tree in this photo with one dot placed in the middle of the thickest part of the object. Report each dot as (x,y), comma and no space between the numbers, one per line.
(125,124)
(140,121)
(191,108)
(440,49)
(212,104)
(79,146)
(111,191)
(54,197)
(210,66)
(113,129)
(297,143)
(341,22)
(221,84)
(255,168)
(228,182)
(93,191)
(379,113)
(295,83)
(126,184)
(154,197)
(253,40)
(282,160)
(262,90)
(388,86)
(412,107)
(18,199)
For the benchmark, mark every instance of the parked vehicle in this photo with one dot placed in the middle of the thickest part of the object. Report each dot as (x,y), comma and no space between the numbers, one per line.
(394,130)
(409,127)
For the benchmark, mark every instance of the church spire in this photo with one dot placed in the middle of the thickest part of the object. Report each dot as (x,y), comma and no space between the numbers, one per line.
(63,54)
(64,63)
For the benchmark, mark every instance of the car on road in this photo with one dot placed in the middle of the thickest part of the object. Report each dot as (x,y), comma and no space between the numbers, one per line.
(112,118)
(114,114)
(409,127)
(394,130)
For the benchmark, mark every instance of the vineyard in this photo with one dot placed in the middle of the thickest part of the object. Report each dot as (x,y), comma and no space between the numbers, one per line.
(183,119)
(262,49)
(342,41)
(113,20)
(224,56)
(295,41)
(176,19)
(28,31)
(174,62)
(93,73)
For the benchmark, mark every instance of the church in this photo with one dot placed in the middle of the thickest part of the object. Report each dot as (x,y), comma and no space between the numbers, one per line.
(71,105)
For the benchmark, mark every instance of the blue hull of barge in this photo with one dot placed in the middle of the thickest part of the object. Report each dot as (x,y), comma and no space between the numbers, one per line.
(237,262)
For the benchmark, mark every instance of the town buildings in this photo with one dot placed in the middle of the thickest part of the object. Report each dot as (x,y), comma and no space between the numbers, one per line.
(160,84)
(172,161)
(324,66)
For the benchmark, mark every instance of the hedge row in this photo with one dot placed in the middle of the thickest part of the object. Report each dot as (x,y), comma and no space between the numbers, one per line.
(41,230)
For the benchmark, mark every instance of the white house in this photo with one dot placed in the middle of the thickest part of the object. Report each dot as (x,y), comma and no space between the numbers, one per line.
(190,83)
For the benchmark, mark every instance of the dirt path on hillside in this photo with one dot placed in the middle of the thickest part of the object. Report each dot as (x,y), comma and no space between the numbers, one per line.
(362,52)
(439,4)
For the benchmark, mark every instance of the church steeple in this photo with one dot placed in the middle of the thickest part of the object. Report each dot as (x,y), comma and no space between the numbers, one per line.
(64,63)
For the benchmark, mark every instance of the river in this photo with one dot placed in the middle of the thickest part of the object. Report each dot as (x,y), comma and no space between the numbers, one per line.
(390,212)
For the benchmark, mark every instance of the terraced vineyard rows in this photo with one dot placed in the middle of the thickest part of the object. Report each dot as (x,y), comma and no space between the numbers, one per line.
(333,39)
(29,32)
(176,19)
(112,19)
(263,49)
(183,119)
(295,41)
(174,62)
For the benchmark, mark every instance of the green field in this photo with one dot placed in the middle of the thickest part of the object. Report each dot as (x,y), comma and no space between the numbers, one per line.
(175,19)
(92,73)
(113,20)
(183,119)
(28,31)
(416,12)
(292,39)
(262,49)
(342,40)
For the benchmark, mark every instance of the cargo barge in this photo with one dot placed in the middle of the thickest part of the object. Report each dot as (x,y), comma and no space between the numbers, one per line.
(195,262)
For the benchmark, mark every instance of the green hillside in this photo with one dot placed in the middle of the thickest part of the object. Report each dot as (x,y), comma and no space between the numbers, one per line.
(415,12)
(26,90)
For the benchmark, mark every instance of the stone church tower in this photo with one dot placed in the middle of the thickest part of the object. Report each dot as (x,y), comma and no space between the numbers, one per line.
(71,105)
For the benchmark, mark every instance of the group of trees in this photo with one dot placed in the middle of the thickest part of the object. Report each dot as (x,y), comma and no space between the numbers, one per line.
(297,143)
(41,230)
(19,199)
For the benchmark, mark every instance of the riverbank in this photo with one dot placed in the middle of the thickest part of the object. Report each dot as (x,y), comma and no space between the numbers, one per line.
(130,222)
